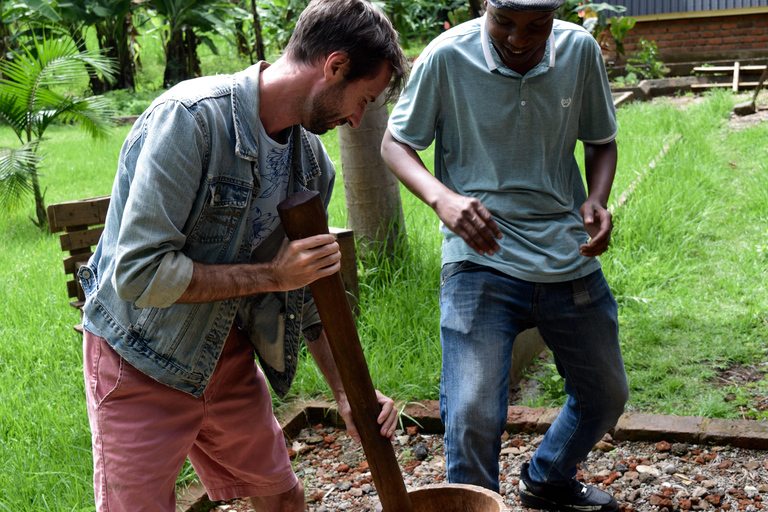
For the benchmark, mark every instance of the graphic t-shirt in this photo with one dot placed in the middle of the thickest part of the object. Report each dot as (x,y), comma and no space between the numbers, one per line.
(274,169)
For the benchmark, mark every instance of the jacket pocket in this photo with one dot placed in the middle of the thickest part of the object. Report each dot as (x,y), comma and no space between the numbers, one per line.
(225,203)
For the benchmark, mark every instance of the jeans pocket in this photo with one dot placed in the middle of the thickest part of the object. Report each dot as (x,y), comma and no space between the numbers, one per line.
(451,269)
(105,368)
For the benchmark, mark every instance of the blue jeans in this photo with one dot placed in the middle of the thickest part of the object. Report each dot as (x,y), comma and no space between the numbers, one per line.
(482,311)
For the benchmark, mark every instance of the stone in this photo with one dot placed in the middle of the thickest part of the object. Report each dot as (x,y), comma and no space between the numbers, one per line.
(742,433)
(604,447)
(650,470)
(650,427)
(745,108)
(420,451)
(698,492)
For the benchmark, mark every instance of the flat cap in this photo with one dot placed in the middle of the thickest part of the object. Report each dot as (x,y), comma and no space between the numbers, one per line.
(527,5)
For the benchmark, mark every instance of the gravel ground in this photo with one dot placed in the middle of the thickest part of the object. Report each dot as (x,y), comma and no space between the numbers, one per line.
(641,476)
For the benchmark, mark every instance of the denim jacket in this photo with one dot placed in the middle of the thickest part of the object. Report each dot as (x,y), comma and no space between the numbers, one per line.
(187,174)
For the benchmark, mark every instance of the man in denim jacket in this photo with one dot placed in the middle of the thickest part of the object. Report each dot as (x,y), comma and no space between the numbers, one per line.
(193,269)
(506,98)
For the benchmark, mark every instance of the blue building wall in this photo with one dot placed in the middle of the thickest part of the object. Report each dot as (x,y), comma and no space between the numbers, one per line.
(654,7)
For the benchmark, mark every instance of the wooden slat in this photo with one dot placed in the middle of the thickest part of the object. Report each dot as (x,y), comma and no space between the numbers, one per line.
(73,289)
(87,212)
(73,263)
(346,240)
(726,69)
(724,84)
(78,240)
(736,67)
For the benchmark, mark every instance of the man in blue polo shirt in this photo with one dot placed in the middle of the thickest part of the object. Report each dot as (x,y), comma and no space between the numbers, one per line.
(505,98)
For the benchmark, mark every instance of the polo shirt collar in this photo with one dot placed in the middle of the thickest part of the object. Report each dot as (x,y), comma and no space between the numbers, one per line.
(490,56)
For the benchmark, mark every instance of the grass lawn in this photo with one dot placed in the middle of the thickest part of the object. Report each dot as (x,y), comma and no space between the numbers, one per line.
(687,265)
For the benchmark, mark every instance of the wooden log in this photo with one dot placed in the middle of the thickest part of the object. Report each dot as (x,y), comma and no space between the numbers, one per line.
(303,215)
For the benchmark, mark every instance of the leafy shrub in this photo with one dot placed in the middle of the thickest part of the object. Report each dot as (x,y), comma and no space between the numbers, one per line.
(649,65)
(130,103)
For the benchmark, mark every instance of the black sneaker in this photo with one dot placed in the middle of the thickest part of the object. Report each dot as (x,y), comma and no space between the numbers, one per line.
(573,496)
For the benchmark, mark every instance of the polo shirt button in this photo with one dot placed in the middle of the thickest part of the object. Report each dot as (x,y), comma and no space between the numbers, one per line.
(522,103)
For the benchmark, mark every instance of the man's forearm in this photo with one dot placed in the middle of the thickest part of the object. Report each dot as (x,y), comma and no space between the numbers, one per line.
(600,170)
(321,352)
(212,283)
(407,166)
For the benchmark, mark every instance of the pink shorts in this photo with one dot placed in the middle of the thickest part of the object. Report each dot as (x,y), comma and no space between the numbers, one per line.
(143,431)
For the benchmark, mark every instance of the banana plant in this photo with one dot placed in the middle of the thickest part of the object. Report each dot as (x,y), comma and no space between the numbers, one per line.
(184,24)
(30,102)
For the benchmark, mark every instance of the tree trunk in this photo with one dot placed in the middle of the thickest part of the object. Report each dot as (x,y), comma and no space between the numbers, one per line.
(42,217)
(181,61)
(475,8)
(258,42)
(3,36)
(372,192)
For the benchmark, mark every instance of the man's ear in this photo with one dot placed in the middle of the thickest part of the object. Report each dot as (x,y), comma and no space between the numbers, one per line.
(336,65)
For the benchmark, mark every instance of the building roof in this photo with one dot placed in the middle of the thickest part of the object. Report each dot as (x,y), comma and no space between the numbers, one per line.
(676,8)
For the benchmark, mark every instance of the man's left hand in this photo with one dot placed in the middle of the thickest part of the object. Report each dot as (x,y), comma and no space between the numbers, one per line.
(599,224)
(387,418)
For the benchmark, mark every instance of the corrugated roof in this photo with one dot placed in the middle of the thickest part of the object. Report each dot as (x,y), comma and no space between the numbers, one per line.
(656,7)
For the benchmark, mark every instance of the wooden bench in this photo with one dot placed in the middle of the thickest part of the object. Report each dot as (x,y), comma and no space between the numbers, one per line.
(83,221)
(737,72)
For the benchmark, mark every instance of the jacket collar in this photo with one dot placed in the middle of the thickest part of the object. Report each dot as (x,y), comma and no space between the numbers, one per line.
(245,108)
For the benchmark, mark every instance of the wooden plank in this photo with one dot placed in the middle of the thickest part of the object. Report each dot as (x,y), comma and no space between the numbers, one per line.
(77,240)
(725,84)
(346,240)
(74,262)
(88,212)
(726,69)
(73,289)
(736,76)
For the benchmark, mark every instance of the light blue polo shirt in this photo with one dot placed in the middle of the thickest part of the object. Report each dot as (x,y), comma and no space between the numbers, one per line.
(508,140)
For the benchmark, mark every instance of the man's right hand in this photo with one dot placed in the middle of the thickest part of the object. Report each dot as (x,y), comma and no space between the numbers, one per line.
(468,218)
(296,265)
(304,261)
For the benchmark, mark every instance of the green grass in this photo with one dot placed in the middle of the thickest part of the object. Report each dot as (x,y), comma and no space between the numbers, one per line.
(687,265)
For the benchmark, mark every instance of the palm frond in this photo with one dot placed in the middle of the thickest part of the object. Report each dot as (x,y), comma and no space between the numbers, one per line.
(17,167)
(13,113)
(92,114)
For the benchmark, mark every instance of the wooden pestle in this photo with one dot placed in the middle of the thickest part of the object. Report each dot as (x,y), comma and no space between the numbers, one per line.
(303,215)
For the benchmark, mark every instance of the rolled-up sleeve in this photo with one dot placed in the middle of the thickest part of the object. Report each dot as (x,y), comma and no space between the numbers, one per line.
(150,269)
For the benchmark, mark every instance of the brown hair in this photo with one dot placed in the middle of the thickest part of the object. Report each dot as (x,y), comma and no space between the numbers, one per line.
(355,27)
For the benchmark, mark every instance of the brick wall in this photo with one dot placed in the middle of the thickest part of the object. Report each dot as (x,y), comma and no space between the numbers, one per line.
(708,38)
